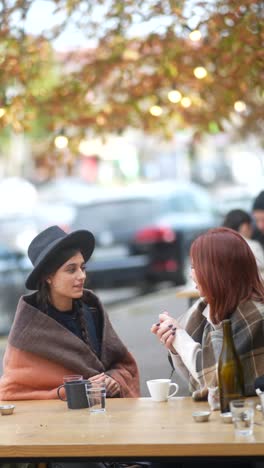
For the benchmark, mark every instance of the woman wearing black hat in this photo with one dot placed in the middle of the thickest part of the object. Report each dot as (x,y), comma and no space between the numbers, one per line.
(62,328)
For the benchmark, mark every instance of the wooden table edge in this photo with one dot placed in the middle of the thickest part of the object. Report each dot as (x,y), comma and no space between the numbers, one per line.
(135,450)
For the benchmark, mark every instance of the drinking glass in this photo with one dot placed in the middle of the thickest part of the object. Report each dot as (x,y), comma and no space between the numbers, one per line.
(72,378)
(243,416)
(96,395)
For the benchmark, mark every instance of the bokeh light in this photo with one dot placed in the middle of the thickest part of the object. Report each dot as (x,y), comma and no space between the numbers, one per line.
(240,106)
(186,102)
(61,142)
(156,111)
(195,35)
(174,95)
(200,73)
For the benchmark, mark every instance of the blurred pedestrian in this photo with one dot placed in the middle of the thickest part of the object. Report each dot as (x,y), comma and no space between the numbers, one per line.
(62,328)
(226,275)
(258,215)
(241,221)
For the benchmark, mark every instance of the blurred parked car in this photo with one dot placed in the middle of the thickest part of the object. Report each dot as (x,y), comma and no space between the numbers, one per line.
(28,210)
(233,197)
(65,190)
(113,217)
(183,211)
(211,172)
(13,271)
(143,234)
(18,226)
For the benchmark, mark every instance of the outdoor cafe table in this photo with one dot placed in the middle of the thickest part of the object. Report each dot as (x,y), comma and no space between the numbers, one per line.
(130,429)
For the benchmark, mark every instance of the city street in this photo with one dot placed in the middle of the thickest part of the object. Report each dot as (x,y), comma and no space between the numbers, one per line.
(132,319)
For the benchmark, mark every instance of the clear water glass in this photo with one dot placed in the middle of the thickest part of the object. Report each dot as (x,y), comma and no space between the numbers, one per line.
(96,396)
(243,416)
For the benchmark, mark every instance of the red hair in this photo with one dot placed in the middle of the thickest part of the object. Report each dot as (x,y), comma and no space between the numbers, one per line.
(226,271)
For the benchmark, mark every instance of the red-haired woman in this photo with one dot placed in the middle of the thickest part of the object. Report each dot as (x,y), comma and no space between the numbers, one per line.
(226,275)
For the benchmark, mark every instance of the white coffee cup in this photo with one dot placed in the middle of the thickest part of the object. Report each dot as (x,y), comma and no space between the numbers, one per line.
(159,389)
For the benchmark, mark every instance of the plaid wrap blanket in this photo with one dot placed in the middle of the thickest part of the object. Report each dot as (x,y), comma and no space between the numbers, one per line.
(248,333)
(40,351)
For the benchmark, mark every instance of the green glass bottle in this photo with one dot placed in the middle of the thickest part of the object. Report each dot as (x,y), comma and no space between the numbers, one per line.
(230,371)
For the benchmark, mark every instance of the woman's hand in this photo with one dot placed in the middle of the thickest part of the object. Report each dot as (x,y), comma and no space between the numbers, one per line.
(111,385)
(165,330)
(98,378)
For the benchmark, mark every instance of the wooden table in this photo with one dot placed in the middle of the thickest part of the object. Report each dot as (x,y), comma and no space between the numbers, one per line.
(137,428)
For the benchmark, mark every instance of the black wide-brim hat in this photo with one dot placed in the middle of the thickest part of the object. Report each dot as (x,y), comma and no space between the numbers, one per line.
(49,242)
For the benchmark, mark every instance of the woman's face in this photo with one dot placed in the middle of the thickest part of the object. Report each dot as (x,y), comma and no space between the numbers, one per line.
(68,281)
(194,278)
